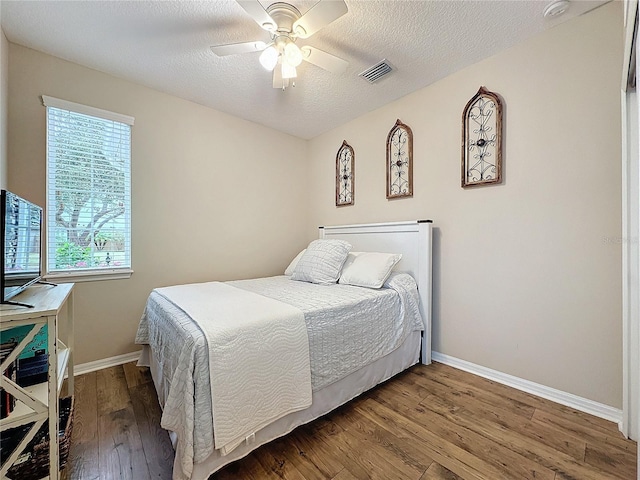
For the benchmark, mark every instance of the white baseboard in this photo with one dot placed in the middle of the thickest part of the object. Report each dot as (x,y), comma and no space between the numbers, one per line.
(568,399)
(83,368)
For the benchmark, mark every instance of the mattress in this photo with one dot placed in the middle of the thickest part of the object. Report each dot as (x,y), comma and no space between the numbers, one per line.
(348,327)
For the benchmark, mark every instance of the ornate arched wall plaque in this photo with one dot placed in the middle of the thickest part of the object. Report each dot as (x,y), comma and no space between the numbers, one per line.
(400,161)
(345,175)
(482,140)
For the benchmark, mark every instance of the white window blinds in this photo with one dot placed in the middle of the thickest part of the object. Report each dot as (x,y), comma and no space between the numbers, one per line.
(88,189)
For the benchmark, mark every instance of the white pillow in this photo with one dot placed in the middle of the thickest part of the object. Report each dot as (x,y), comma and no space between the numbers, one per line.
(322,262)
(289,271)
(368,269)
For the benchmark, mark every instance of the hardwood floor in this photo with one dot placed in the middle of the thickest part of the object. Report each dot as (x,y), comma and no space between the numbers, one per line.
(431,422)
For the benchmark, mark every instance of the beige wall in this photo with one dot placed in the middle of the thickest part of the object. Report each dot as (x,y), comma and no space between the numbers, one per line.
(527,275)
(4,109)
(525,281)
(214,197)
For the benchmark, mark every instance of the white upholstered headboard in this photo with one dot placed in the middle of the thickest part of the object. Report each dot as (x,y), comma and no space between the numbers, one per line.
(413,240)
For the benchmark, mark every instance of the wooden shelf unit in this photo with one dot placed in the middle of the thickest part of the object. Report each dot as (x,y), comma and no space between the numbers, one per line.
(39,403)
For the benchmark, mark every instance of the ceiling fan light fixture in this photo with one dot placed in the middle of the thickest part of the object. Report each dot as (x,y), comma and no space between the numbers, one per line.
(292,54)
(269,58)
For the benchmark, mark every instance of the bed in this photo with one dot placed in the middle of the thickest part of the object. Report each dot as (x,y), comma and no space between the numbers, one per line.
(354,338)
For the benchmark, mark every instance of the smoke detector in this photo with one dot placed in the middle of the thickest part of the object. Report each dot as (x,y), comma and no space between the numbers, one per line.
(555,9)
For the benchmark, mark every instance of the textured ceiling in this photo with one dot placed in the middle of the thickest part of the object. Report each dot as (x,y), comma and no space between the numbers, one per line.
(165,45)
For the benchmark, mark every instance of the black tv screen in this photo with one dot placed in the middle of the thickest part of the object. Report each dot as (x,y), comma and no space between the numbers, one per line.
(21,229)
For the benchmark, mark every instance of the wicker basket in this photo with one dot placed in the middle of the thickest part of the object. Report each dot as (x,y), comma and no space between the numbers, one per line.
(36,464)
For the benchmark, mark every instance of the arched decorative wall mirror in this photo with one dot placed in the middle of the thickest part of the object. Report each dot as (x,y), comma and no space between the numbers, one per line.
(482,140)
(345,175)
(400,161)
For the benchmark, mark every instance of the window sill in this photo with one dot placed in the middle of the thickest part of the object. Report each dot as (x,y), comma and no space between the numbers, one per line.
(89,276)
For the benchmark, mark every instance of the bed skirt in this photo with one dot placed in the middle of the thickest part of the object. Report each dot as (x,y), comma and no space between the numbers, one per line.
(323,400)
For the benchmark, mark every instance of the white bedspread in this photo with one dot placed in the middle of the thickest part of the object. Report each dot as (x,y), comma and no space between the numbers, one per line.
(348,327)
(258,356)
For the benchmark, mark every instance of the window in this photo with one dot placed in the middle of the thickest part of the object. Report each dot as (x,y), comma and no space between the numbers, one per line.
(88,192)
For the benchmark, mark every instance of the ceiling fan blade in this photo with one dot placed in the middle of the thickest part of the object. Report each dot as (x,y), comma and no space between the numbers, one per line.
(324,60)
(320,15)
(235,48)
(256,11)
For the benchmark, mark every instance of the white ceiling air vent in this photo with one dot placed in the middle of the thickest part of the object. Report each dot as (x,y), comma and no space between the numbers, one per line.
(376,72)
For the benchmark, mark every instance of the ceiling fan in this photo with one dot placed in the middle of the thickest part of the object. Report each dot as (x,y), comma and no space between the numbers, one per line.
(285,25)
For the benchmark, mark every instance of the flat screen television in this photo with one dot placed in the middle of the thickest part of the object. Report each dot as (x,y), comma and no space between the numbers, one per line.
(21,230)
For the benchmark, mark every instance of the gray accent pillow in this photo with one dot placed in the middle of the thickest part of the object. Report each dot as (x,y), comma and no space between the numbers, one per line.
(322,262)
